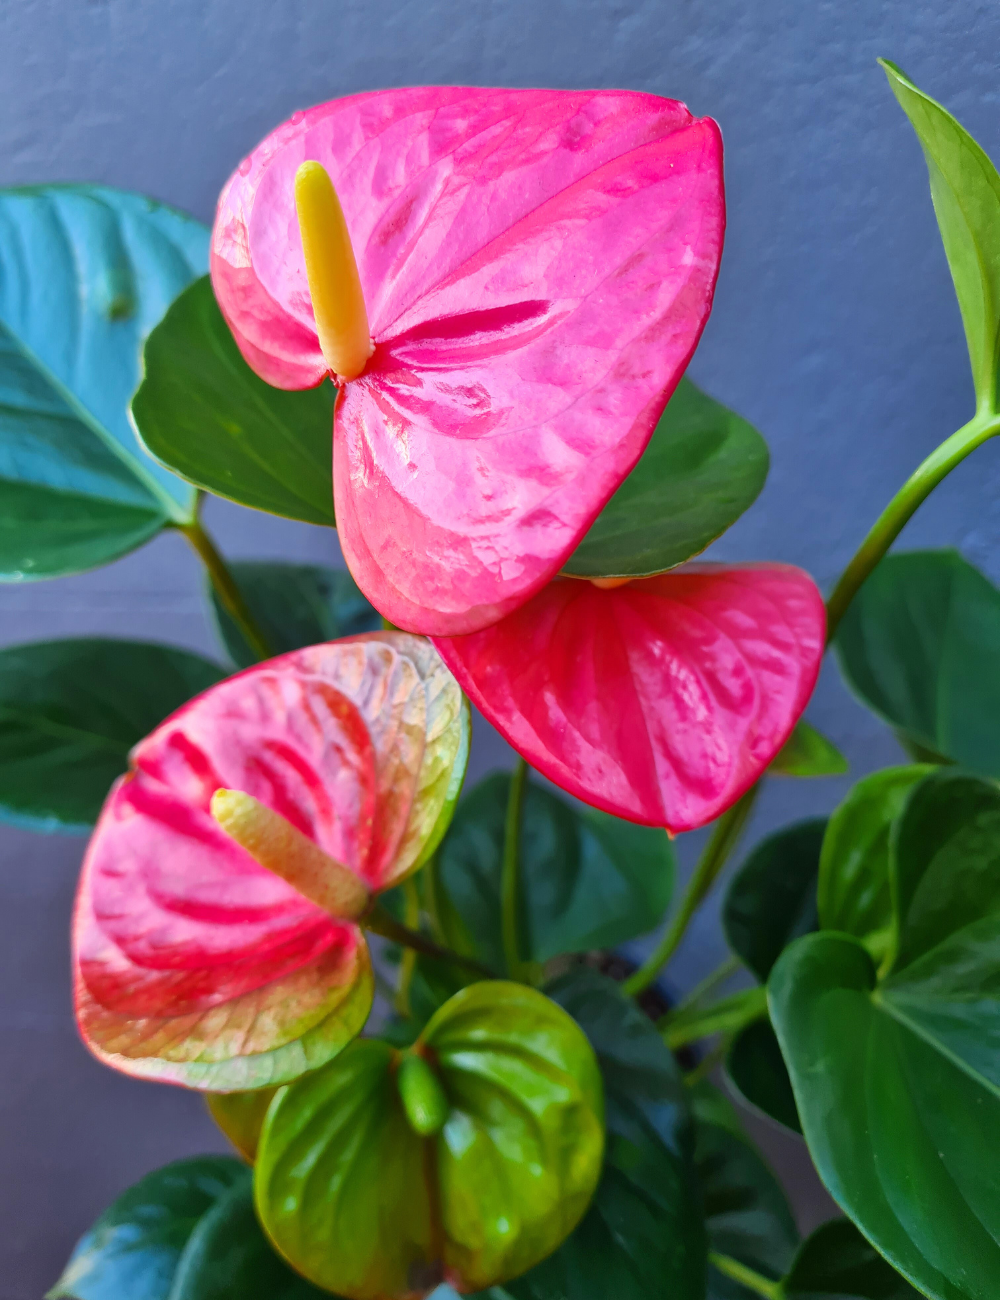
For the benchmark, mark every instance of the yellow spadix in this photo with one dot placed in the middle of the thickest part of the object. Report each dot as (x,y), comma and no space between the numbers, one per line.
(334,283)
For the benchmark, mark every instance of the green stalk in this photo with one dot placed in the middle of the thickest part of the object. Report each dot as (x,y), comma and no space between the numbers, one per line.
(380,922)
(748,1277)
(225,586)
(727,1016)
(411,918)
(511,868)
(913,493)
(723,840)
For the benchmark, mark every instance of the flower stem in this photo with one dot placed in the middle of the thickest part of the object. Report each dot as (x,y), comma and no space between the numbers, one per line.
(411,917)
(510,870)
(727,1016)
(379,921)
(225,586)
(748,1277)
(890,522)
(727,831)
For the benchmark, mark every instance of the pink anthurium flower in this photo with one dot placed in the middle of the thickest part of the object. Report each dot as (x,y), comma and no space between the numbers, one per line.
(661,700)
(535,269)
(216,941)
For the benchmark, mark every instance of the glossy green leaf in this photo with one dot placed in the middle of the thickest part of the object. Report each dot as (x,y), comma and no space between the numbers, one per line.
(362,1205)
(293,605)
(702,468)
(588,880)
(746,1214)
(70,711)
(85,273)
(772,898)
(836,1263)
(807,752)
(965,188)
(920,645)
(643,1234)
(185,1232)
(240,1115)
(854,892)
(757,1070)
(203,412)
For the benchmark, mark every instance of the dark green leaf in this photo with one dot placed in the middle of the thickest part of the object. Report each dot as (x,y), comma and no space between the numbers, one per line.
(965,188)
(854,892)
(836,1263)
(920,645)
(70,711)
(588,880)
(807,752)
(746,1214)
(203,412)
(85,273)
(642,1235)
(710,1105)
(341,1179)
(293,605)
(758,1072)
(702,468)
(772,898)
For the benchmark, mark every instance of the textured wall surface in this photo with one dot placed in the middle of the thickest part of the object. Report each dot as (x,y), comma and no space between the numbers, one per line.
(835,331)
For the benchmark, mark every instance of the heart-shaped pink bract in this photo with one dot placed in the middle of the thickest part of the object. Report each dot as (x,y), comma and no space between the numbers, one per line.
(537,266)
(660,701)
(193,963)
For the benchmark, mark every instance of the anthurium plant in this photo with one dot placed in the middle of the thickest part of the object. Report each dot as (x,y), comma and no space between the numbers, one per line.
(454,325)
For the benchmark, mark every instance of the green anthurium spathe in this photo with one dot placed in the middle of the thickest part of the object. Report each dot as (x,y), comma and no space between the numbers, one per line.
(896,1079)
(702,468)
(293,605)
(70,712)
(587,879)
(85,273)
(360,1201)
(203,412)
(185,1232)
(836,1263)
(240,1115)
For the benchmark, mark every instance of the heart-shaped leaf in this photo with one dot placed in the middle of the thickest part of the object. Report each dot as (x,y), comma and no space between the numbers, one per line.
(195,961)
(240,1115)
(807,752)
(965,188)
(772,898)
(203,412)
(186,1232)
(897,1081)
(70,712)
(362,1204)
(854,892)
(662,700)
(643,1234)
(85,273)
(920,645)
(836,1263)
(757,1070)
(587,880)
(701,469)
(294,605)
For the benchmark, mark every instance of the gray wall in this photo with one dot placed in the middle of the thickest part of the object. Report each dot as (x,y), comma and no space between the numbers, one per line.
(835,331)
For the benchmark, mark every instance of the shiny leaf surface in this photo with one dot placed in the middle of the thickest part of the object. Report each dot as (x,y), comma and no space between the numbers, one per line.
(294,605)
(362,1205)
(836,1263)
(85,273)
(660,701)
(587,880)
(507,242)
(807,752)
(70,712)
(195,963)
(203,412)
(920,645)
(757,1070)
(702,468)
(772,898)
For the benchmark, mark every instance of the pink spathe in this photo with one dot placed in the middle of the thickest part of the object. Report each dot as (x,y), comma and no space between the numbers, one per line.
(537,268)
(661,701)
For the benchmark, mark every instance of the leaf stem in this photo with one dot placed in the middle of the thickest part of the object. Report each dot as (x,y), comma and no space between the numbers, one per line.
(748,1277)
(411,918)
(379,921)
(225,586)
(711,981)
(510,869)
(728,1015)
(725,834)
(913,493)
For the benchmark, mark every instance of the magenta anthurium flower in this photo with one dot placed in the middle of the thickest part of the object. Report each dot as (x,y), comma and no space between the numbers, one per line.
(216,941)
(661,700)
(536,267)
